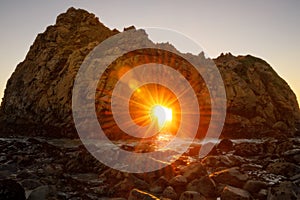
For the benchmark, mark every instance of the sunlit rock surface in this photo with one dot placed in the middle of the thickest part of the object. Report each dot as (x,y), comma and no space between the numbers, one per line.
(37,98)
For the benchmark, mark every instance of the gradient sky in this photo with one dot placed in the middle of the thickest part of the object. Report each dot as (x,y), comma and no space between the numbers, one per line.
(268,29)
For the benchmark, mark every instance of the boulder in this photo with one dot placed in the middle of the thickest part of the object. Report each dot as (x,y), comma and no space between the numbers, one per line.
(170,193)
(284,190)
(281,126)
(178,180)
(204,185)
(136,194)
(11,190)
(30,184)
(292,156)
(122,188)
(43,192)
(191,195)
(283,168)
(254,187)
(248,149)
(225,145)
(193,171)
(233,193)
(231,176)
(226,161)
(179,183)
(159,185)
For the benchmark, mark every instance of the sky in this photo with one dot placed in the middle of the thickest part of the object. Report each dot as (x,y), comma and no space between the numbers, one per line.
(268,29)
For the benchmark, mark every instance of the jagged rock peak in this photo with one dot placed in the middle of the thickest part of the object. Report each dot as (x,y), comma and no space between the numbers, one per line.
(129,28)
(78,18)
(74,16)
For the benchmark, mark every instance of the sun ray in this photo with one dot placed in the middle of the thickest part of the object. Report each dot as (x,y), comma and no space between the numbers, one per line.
(153,104)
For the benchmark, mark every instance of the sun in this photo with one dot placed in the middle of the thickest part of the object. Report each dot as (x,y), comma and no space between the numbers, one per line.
(156,107)
(161,114)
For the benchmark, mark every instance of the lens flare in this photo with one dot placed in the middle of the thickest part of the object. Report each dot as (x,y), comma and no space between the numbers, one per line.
(162,115)
(155,106)
(135,75)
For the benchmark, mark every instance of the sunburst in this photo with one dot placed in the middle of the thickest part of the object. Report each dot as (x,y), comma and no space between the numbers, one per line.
(157,106)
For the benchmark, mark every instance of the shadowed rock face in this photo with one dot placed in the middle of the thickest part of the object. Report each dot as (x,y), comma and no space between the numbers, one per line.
(38,94)
(37,98)
(258,100)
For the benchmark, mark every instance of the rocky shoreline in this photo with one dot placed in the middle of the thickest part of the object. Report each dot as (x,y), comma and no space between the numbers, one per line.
(63,169)
(37,107)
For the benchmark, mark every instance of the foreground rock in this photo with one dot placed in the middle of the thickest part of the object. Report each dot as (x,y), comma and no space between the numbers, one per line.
(140,195)
(231,176)
(191,195)
(232,193)
(63,169)
(10,189)
(43,192)
(284,190)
